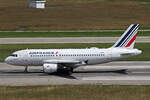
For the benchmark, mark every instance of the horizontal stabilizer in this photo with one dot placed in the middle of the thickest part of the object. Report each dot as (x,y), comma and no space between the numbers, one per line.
(127,54)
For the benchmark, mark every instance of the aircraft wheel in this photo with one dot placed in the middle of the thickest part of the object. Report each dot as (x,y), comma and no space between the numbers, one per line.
(68,72)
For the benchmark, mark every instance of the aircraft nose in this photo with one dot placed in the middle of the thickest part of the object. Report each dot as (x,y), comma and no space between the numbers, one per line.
(7,60)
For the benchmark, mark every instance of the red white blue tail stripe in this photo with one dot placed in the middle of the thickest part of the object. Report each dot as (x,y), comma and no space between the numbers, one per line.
(129,36)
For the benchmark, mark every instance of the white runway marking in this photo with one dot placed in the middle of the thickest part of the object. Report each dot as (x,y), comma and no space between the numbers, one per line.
(141,72)
(102,67)
(67,40)
(115,78)
(79,31)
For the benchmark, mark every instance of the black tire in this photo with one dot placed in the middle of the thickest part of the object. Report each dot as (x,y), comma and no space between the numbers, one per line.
(66,71)
(69,72)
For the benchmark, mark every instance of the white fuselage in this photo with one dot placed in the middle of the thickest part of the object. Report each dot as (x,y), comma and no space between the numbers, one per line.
(37,57)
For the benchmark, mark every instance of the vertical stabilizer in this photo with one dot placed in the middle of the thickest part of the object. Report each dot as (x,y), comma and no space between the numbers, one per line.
(128,38)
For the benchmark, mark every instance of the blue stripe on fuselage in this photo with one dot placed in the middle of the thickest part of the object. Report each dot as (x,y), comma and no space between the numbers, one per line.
(126,35)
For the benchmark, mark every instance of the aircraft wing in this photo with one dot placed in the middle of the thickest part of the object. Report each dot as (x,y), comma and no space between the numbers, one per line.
(62,61)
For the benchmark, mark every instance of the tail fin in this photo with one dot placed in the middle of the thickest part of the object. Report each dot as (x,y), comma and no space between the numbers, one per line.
(128,38)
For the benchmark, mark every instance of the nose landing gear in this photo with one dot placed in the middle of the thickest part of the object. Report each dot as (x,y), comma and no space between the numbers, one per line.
(26,69)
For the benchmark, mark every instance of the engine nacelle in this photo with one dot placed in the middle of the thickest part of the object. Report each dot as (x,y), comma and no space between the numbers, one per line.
(50,68)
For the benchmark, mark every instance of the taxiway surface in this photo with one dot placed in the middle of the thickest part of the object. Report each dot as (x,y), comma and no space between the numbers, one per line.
(67,40)
(122,73)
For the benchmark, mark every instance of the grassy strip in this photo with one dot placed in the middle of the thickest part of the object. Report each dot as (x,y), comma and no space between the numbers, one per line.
(144,0)
(65,34)
(71,92)
(7,49)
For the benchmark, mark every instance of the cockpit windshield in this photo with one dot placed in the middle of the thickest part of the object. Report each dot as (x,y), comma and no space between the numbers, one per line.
(14,55)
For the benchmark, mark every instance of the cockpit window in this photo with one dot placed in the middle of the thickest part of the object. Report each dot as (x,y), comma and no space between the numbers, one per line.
(14,55)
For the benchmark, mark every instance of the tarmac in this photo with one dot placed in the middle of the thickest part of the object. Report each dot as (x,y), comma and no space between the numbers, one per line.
(114,73)
(68,40)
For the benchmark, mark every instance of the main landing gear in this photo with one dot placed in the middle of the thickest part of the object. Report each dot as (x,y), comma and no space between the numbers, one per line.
(69,71)
(65,70)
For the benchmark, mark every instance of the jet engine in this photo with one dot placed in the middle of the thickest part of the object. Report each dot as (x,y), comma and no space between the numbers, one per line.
(50,68)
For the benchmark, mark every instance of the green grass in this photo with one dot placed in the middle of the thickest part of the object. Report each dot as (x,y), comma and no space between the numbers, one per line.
(65,34)
(71,92)
(145,5)
(7,49)
(144,0)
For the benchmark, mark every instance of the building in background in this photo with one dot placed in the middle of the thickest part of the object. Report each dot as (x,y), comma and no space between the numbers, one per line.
(37,3)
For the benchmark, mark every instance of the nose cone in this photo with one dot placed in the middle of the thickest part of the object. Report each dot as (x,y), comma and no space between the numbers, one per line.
(12,61)
(7,60)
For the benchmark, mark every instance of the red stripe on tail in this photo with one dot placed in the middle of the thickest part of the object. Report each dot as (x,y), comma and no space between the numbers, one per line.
(131,41)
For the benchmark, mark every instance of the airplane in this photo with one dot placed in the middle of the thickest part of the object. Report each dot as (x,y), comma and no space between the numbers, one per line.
(66,60)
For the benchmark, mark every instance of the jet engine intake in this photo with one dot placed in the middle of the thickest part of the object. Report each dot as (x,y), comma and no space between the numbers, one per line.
(50,68)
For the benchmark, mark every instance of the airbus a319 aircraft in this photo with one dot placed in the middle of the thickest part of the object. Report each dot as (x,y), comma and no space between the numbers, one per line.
(65,60)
